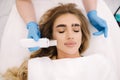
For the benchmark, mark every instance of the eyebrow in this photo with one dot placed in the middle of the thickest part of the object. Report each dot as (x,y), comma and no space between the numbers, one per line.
(73,25)
(61,25)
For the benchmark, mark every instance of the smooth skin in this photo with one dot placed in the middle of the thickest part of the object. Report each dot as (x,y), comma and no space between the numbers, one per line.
(67,32)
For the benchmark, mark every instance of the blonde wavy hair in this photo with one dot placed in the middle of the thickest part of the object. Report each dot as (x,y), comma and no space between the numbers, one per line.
(46,28)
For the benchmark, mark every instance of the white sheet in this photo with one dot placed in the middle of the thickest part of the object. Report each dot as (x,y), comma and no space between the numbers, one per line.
(93,67)
(12,54)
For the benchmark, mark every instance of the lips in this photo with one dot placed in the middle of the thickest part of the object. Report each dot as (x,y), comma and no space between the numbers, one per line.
(70,44)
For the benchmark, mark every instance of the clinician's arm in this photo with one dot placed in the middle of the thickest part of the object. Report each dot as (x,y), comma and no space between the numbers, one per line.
(27,12)
(90,5)
(95,20)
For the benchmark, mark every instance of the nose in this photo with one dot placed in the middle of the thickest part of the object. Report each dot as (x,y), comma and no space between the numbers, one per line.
(70,35)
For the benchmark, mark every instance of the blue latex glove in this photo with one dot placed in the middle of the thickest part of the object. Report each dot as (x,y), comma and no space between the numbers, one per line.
(34,33)
(98,23)
(33,49)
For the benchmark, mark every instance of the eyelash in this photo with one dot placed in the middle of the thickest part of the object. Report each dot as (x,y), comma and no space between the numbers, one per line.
(61,31)
(74,31)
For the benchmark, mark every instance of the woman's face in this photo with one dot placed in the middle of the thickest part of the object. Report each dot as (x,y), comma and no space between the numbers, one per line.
(67,32)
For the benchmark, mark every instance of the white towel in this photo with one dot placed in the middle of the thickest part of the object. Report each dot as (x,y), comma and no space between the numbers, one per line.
(94,67)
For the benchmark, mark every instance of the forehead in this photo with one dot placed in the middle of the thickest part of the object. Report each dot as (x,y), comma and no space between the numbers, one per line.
(67,19)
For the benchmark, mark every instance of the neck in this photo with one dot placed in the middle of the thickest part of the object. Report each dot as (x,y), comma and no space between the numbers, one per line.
(60,56)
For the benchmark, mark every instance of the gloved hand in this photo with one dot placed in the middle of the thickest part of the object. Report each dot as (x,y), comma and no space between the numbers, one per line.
(98,23)
(34,33)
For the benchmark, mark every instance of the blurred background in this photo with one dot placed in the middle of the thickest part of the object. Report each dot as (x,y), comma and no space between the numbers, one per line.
(6,6)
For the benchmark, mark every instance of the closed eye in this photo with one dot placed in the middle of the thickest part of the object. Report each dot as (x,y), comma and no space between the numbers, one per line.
(76,30)
(76,27)
(61,31)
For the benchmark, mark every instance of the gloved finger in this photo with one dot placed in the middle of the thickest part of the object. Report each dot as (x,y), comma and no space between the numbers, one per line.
(39,34)
(106,32)
(105,29)
(33,49)
(102,23)
(36,37)
(98,33)
(29,36)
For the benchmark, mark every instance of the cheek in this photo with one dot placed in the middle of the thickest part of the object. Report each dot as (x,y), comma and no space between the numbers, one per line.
(55,35)
(60,38)
(78,38)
